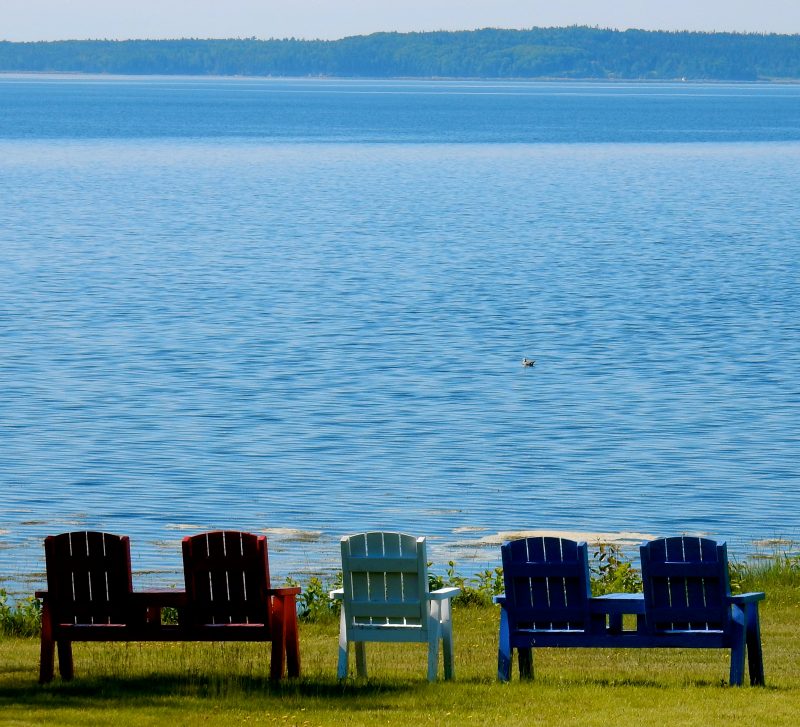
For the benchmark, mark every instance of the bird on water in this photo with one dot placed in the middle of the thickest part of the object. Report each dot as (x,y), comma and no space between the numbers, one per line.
(528,362)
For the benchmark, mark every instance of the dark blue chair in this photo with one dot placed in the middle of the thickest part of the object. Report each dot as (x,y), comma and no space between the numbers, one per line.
(547,592)
(687,603)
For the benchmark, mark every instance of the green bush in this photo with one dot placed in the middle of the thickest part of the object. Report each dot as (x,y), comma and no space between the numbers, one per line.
(613,572)
(475,591)
(314,603)
(22,619)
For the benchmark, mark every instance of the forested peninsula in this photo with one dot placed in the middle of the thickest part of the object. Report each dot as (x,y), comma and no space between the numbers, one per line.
(573,52)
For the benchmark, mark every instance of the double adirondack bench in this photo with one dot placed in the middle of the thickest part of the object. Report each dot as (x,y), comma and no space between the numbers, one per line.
(90,597)
(386,598)
(686,603)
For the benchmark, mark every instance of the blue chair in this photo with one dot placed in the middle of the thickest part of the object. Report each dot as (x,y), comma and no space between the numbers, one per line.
(686,603)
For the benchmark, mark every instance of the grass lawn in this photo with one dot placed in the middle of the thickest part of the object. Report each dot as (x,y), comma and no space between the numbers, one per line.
(177,684)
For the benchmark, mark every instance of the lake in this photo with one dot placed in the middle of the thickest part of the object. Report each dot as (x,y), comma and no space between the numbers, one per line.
(300,307)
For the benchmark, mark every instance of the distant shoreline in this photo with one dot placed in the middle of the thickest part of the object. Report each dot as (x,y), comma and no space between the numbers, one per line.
(576,53)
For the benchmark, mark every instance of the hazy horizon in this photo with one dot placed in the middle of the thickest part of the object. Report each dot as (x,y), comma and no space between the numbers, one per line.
(356,35)
(44,20)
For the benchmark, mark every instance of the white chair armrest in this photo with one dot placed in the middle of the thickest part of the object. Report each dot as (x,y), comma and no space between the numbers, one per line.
(337,595)
(444,594)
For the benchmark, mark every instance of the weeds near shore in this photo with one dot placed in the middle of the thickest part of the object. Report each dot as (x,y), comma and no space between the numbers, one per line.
(613,572)
(778,574)
(22,619)
(611,569)
(314,603)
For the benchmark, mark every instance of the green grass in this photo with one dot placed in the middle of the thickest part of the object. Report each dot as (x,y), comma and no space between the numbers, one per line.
(188,684)
(177,684)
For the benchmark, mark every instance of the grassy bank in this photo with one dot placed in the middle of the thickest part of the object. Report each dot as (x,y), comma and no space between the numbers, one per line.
(153,684)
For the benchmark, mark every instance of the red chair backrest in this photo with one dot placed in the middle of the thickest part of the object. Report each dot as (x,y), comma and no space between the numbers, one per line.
(227,578)
(88,577)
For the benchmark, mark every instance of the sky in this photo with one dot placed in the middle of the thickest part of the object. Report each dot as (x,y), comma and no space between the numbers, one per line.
(329,19)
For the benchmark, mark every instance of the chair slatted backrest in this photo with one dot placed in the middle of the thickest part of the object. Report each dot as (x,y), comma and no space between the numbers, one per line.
(385,579)
(547,584)
(227,578)
(88,577)
(686,584)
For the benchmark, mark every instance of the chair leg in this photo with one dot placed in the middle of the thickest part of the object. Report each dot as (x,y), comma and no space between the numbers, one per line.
(615,623)
(434,629)
(48,646)
(278,655)
(361,659)
(504,651)
(65,665)
(737,649)
(447,641)
(737,665)
(433,657)
(525,657)
(343,667)
(755,658)
(292,644)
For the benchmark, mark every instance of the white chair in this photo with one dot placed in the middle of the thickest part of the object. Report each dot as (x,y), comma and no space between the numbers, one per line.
(386,598)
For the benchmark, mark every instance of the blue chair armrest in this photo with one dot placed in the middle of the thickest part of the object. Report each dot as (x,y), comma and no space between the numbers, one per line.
(499,600)
(754,597)
(444,593)
(337,595)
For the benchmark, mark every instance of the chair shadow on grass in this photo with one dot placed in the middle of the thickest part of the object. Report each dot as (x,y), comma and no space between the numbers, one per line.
(99,691)
(95,691)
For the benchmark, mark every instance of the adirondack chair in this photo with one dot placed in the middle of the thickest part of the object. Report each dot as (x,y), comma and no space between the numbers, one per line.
(386,598)
(228,596)
(688,603)
(88,595)
(547,591)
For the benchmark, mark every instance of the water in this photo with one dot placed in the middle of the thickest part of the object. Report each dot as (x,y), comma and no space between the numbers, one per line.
(301,307)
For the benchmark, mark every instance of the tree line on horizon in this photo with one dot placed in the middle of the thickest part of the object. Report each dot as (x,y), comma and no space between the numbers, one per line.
(576,52)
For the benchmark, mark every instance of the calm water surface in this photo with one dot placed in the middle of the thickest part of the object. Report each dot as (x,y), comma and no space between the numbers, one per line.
(301,307)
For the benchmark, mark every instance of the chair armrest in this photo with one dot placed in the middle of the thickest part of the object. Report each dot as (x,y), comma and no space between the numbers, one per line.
(754,597)
(337,595)
(287,591)
(499,600)
(444,593)
(41,595)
